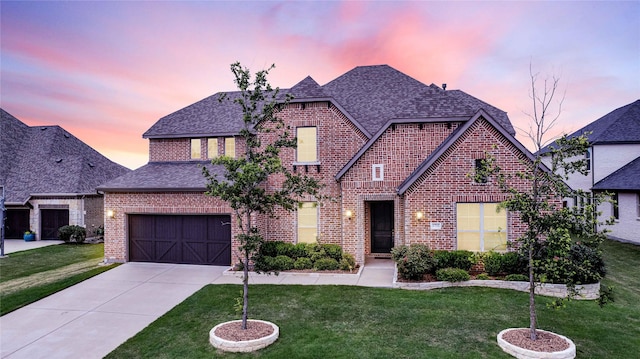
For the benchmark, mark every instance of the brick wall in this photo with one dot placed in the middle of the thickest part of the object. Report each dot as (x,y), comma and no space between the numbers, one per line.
(179,149)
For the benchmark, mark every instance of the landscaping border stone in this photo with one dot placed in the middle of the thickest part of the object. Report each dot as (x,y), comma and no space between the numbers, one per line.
(585,292)
(243,346)
(522,353)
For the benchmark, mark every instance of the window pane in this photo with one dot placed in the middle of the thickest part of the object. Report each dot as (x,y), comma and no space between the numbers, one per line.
(468,216)
(230,147)
(212,148)
(494,221)
(306,140)
(307,222)
(469,241)
(195,149)
(495,241)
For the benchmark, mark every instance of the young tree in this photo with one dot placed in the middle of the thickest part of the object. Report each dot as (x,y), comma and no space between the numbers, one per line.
(549,239)
(243,185)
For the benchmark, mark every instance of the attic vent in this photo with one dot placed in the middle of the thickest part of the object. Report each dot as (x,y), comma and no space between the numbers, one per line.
(91,165)
(58,160)
(444,87)
(42,128)
(66,135)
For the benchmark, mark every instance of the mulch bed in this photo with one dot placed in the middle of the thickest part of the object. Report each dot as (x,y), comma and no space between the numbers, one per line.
(234,332)
(546,342)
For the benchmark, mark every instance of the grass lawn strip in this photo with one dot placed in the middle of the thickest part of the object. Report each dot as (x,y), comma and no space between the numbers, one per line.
(46,277)
(360,322)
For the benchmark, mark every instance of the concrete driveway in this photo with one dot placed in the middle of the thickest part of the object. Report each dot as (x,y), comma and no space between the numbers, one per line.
(92,318)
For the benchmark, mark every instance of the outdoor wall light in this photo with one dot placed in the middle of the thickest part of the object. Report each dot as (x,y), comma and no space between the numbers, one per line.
(111,213)
(348,213)
(419,215)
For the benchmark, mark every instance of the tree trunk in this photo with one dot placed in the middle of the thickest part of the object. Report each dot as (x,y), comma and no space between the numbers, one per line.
(245,291)
(532,293)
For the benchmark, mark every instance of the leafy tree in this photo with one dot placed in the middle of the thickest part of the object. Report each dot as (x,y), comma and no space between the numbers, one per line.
(536,193)
(244,183)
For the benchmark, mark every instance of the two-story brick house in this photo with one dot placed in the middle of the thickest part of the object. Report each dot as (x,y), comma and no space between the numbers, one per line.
(395,157)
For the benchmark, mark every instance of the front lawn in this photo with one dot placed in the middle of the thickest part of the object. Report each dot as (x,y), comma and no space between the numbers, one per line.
(28,276)
(359,322)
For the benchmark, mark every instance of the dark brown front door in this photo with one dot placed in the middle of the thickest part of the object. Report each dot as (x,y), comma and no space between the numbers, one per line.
(190,239)
(381,227)
(17,223)
(51,220)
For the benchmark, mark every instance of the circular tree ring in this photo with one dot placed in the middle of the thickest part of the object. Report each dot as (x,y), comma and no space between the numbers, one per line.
(522,353)
(243,345)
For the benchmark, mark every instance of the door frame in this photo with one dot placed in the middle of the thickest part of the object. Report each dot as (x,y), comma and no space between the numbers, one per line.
(372,223)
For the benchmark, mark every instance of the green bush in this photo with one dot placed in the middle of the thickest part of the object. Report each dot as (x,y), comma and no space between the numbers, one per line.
(332,251)
(326,264)
(303,263)
(513,263)
(72,234)
(283,263)
(453,259)
(347,262)
(517,278)
(262,263)
(413,262)
(298,251)
(492,262)
(483,276)
(452,274)
(315,251)
(269,248)
(581,265)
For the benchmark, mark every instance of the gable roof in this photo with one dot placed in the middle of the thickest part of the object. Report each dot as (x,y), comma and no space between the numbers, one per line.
(46,160)
(626,178)
(455,135)
(621,125)
(369,96)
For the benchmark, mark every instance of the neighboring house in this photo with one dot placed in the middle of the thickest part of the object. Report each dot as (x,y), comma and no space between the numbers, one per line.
(614,166)
(395,156)
(50,179)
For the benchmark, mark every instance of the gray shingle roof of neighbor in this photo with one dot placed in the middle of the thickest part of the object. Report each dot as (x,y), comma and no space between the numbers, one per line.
(371,96)
(49,160)
(621,125)
(164,176)
(625,178)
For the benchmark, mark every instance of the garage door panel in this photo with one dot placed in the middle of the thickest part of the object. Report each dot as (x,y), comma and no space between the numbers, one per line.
(194,239)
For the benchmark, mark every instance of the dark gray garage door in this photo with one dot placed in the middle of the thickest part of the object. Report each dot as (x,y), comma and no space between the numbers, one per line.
(51,220)
(191,239)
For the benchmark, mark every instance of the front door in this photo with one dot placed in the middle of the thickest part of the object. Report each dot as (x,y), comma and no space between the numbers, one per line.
(381,227)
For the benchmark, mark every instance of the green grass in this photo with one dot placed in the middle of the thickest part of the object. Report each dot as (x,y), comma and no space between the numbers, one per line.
(22,264)
(358,322)
(28,276)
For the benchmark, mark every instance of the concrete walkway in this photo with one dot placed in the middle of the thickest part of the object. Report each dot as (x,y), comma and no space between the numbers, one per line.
(17,245)
(94,317)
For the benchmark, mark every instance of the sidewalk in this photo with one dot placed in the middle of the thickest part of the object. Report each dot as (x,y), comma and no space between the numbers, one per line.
(92,318)
(17,245)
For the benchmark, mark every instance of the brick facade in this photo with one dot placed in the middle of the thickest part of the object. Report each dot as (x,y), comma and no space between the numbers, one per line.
(400,149)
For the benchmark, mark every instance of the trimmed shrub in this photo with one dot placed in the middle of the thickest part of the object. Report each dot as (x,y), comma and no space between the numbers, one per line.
(332,251)
(303,263)
(283,263)
(72,234)
(269,248)
(517,278)
(452,274)
(492,262)
(326,264)
(262,263)
(513,263)
(315,251)
(347,262)
(483,276)
(453,259)
(298,251)
(414,261)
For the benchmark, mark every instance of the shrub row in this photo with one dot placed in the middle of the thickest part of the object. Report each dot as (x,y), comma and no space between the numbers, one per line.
(281,256)
(73,234)
(416,260)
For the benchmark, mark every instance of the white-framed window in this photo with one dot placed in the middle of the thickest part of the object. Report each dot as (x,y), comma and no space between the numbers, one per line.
(230,147)
(307,222)
(307,144)
(212,147)
(587,157)
(196,150)
(377,172)
(481,227)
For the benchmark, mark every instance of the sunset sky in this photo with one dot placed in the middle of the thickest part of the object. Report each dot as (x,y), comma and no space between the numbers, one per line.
(107,71)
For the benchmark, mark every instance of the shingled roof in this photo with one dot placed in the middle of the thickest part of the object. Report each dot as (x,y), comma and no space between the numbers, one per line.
(619,126)
(369,95)
(626,178)
(164,176)
(47,160)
